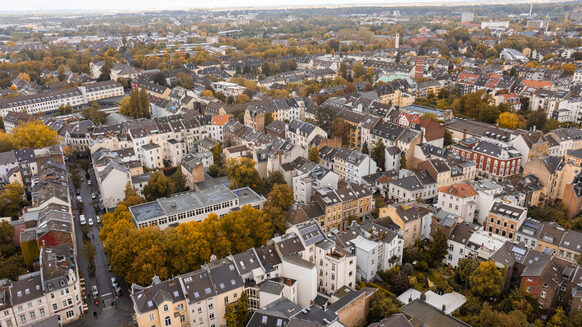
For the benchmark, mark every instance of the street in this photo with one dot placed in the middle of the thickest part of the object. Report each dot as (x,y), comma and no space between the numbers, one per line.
(105,313)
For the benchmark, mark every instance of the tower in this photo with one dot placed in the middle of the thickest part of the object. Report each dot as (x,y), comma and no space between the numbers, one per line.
(397,41)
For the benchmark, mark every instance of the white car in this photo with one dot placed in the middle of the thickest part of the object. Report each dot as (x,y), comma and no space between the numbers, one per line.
(98,219)
(94,291)
(88,182)
(82,219)
(114,282)
(90,220)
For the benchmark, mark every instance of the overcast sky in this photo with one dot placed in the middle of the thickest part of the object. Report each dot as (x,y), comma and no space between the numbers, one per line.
(138,5)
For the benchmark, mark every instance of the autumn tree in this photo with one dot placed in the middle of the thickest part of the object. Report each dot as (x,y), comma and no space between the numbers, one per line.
(281,196)
(314,155)
(358,70)
(275,177)
(507,120)
(65,109)
(158,186)
(217,154)
(242,310)
(137,105)
(207,93)
(35,135)
(340,128)
(6,143)
(179,181)
(242,98)
(268,118)
(242,173)
(486,281)
(11,200)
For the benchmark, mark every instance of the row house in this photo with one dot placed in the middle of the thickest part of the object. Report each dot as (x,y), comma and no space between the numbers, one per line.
(350,165)
(530,145)
(410,218)
(417,185)
(339,205)
(303,134)
(493,159)
(310,178)
(449,171)
(505,219)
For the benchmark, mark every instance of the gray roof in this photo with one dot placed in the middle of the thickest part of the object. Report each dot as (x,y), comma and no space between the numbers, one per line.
(150,298)
(224,276)
(423,314)
(395,320)
(345,300)
(198,285)
(246,261)
(26,288)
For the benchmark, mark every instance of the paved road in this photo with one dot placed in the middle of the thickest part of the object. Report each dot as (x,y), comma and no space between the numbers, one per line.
(108,315)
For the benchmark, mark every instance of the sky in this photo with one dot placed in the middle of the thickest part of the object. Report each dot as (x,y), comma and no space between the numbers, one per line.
(141,5)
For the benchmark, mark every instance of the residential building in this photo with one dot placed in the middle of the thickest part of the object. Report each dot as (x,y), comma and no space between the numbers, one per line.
(505,219)
(459,199)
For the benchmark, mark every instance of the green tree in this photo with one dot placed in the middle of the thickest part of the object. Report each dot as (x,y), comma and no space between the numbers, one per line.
(158,186)
(559,319)
(536,118)
(275,177)
(65,109)
(94,114)
(365,148)
(242,173)
(137,105)
(314,155)
(268,118)
(486,281)
(381,306)
(179,181)
(448,138)
(378,153)
(242,310)
(324,118)
(230,317)
(438,248)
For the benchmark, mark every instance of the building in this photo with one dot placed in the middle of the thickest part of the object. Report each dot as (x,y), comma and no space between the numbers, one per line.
(459,199)
(194,206)
(161,304)
(409,217)
(493,159)
(505,219)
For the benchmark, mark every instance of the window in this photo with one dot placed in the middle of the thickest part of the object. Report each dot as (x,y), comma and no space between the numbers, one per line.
(543,294)
(168,321)
(152,317)
(199,310)
(165,307)
(211,316)
(226,299)
(55,307)
(211,306)
(70,314)
(41,311)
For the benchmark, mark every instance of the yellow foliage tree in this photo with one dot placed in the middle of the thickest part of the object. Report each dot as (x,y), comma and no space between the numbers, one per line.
(207,93)
(508,120)
(34,134)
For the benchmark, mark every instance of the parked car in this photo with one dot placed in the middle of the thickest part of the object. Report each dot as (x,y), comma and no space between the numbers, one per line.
(98,219)
(117,291)
(114,282)
(94,291)
(90,220)
(82,219)
(88,182)
(93,196)
(79,198)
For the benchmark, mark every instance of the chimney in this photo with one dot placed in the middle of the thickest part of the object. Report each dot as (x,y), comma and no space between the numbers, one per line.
(289,282)
(444,307)
(464,133)
(423,296)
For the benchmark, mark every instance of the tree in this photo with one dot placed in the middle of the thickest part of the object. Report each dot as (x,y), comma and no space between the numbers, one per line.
(403,160)
(438,248)
(159,78)
(464,271)
(365,148)
(35,135)
(314,155)
(507,120)
(358,70)
(537,118)
(158,186)
(94,114)
(242,98)
(242,173)
(217,154)
(275,177)
(340,128)
(65,109)
(68,152)
(61,72)
(242,310)
(184,80)
(207,93)
(399,283)
(381,306)
(559,319)
(268,119)
(179,181)
(137,105)
(324,118)
(11,200)
(281,196)
(230,317)
(6,143)
(486,281)
(378,153)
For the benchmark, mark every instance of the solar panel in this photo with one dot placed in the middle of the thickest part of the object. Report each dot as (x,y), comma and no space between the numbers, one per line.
(518,250)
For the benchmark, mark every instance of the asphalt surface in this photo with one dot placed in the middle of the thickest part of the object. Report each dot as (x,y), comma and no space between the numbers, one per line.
(108,310)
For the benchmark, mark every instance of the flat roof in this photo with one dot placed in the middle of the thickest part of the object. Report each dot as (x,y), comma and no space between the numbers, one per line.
(196,199)
(146,211)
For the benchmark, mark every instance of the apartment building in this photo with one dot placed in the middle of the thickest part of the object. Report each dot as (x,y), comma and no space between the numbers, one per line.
(338,205)
(493,159)
(409,217)
(459,199)
(505,219)
(161,304)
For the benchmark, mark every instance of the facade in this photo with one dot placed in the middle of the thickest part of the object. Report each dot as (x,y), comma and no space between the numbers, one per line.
(459,199)
(505,219)
(493,159)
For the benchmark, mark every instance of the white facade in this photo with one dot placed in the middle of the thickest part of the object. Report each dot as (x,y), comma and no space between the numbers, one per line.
(461,206)
(305,273)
